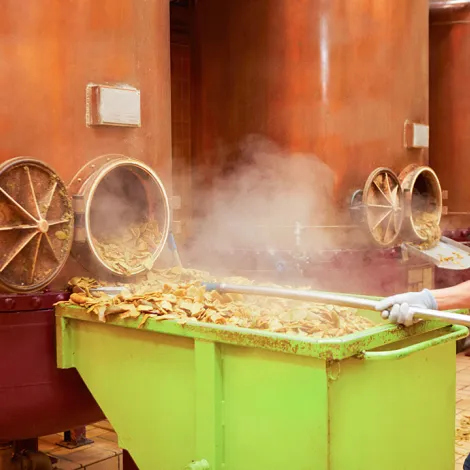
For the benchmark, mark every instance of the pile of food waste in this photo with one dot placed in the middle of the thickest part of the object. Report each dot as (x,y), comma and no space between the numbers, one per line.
(455,257)
(180,295)
(428,229)
(462,433)
(127,250)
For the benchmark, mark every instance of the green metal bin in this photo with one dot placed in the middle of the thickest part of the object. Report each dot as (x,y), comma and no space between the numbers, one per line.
(203,396)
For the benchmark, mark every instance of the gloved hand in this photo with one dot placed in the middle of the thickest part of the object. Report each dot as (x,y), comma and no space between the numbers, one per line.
(397,308)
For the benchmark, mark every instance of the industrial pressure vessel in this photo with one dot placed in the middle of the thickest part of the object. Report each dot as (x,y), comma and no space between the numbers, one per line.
(344,81)
(84,115)
(449,105)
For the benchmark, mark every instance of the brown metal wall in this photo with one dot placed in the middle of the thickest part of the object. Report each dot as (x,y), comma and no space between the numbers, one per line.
(51,49)
(331,77)
(181,116)
(450,108)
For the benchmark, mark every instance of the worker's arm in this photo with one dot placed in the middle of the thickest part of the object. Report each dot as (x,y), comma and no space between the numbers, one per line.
(454,297)
(397,308)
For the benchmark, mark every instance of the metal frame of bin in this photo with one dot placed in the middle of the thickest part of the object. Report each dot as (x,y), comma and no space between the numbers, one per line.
(204,396)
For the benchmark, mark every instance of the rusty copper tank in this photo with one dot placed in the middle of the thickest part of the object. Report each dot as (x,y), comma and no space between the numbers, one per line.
(53,52)
(344,81)
(450,105)
(85,119)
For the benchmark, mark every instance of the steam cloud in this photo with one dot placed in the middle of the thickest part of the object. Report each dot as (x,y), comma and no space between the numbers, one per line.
(256,203)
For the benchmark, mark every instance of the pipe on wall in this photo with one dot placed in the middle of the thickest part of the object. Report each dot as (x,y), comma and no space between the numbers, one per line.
(435,5)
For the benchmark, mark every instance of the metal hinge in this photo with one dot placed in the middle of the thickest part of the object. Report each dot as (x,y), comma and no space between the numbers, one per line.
(333,370)
(445,197)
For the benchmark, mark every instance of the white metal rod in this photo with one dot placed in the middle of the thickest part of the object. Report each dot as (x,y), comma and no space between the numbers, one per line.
(335,299)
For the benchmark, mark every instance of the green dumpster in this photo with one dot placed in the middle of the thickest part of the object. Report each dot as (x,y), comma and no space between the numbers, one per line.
(217,397)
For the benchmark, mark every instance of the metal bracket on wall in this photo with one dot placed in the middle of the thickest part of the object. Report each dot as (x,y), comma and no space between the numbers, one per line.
(117,105)
(416,135)
(78,205)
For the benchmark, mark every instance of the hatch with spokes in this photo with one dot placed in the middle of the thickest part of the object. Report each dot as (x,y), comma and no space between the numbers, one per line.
(36,225)
(381,205)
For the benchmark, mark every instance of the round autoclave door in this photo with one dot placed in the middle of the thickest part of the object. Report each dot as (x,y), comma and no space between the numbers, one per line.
(122,215)
(36,225)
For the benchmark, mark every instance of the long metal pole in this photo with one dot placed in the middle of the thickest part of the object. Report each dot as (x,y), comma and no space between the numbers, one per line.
(335,299)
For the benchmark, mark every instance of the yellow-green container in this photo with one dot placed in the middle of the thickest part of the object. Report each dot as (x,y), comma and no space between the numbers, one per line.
(203,396)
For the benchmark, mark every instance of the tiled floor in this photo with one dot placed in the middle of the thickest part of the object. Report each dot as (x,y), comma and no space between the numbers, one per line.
(462,447)
(105,454)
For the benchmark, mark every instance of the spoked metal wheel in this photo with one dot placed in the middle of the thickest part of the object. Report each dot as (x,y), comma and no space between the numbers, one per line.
(383,204)
(36,225)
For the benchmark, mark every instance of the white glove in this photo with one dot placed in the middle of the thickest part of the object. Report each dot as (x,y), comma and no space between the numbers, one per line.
(397,308)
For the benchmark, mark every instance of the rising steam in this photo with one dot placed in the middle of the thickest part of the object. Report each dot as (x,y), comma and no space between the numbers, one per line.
(256,199)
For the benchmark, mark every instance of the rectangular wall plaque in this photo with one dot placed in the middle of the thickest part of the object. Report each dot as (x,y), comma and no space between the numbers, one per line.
(416,135)
(113,106)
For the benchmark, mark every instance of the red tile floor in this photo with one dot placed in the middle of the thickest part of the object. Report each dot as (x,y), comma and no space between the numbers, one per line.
(462,443)
(105,454)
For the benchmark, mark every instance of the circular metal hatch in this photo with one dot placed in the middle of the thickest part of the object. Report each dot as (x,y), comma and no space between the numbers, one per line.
(124,214)
(36,225)
(382,202)
(423,203)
